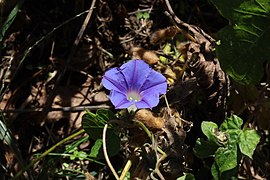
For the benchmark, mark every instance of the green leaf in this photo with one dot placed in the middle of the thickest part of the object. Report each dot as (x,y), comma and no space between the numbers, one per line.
(248,141)
(74,155)
(81,155)
(95,149)
(105,115)
(113,143)
(233,122)
(226,157)
(11,17)
(93,125)
(139,15)
(186,176)
(233,135)
(146,15)
(227,175)
(204,149)
(214,171)
(245,42)
(142,15)
(166,50)
(209,128)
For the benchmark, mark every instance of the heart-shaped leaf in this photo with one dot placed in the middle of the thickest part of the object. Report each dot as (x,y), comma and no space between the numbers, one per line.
(248,141)
(244,44)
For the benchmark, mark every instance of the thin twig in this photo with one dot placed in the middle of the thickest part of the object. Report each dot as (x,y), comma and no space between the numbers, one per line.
(63,109)
(184,67)
(194,29)
(126,169)
(168,106)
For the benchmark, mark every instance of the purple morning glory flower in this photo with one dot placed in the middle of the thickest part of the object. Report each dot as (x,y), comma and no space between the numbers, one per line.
(134,83)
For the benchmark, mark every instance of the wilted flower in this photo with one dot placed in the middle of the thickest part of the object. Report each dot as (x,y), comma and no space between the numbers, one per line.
(134,83)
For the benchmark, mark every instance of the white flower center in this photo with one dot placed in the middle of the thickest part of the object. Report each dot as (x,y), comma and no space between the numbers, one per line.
(133,96)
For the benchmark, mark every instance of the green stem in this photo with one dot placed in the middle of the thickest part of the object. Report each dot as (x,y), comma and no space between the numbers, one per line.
(144,128)
(47,152)
(149,135)
(164,155)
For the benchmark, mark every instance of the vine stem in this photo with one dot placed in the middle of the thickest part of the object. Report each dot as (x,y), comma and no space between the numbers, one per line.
(47,152)
(106,153)
(129,163)
(146,130)
(157,149)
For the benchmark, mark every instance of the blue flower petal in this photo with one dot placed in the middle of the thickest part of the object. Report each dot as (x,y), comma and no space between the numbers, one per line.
(148,101)
(142,104)
(135,73)
(119,100)
(155,83)
(114,80)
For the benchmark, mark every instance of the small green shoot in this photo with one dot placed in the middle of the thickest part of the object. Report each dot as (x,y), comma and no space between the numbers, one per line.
(142,15)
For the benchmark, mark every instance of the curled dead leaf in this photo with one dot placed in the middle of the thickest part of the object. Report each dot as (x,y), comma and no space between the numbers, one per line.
(164,34)
(183,47)
(148,56)
(150,121)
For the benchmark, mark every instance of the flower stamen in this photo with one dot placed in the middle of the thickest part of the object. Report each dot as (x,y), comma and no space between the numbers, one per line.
(134,96)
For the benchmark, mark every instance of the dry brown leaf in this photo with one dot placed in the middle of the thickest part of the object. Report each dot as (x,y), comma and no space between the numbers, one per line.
(149,57)
(146,117)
